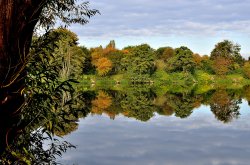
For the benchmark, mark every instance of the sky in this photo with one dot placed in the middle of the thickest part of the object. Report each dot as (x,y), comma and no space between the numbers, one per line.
(197,24)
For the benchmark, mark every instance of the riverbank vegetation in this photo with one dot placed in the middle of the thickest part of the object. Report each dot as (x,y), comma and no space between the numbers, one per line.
(141,64)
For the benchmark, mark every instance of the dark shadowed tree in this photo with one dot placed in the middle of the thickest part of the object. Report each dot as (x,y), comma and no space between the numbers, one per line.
(18,20)
(88,68)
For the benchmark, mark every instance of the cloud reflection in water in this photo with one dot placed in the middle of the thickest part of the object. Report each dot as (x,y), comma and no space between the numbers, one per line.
(199,139)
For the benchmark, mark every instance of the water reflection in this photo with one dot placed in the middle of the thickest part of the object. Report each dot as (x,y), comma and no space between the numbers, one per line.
(142,105)
(225,107)
(34,138)
(198,140)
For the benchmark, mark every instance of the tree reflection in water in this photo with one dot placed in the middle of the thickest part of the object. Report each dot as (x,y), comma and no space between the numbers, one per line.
(143,104)
(225,107)
(33,136)
(246,94)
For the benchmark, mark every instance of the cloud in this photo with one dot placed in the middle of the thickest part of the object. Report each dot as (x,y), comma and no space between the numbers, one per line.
(166,18)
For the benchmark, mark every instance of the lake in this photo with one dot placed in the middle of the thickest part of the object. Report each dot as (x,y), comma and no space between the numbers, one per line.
(143,126)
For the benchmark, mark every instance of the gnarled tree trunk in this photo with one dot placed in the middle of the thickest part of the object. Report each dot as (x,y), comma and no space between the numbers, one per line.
(17,21)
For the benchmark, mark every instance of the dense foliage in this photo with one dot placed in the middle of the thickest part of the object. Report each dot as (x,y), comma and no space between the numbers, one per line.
(142,64)
(39,98)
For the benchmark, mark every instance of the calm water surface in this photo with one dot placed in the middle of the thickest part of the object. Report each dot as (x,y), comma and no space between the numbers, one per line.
(144,128)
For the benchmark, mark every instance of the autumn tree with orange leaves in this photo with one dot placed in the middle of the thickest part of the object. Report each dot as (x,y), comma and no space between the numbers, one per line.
(226,57)
(100,58)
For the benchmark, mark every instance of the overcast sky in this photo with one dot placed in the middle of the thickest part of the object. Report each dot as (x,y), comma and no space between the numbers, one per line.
(198,24)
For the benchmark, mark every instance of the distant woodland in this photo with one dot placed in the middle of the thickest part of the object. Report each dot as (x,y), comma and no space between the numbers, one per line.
(140,63)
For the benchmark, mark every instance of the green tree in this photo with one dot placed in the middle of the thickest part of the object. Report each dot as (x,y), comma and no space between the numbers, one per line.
(29,80)
(140,60)
(44,113)
(228,50)
(137,104)
(116,57)
(87,67)
(207,64)
(17,22)
(165,53)
(182,61)
(67,54)
(228,55)
(182,104)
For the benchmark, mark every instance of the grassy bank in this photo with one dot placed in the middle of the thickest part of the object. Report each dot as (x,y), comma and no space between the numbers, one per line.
(161,82)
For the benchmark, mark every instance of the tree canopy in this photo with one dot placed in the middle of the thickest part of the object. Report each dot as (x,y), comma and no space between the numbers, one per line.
(17,22)
(182,61)
(228,50)
(29,81)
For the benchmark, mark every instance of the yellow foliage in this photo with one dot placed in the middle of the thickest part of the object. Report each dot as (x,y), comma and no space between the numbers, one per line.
(103,66)
(100,58)
(125,51)
(108,50)
(102,102)
(197,58)
(96,54)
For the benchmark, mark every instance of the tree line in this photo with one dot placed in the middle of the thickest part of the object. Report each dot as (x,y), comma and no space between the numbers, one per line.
(142,61)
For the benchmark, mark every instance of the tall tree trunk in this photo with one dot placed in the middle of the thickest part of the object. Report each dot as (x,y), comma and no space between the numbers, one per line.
(17,21)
